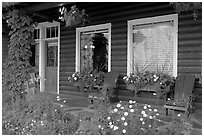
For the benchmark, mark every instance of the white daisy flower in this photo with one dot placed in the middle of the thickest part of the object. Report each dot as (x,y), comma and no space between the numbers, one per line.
(115,128)
(124,131)
(118,105)
(108,118)
(143,122)
(157,114)
(130,106)
(99,126)
(143,112)
(150,117)
(58,99)
(123,118)
(155,110)
(122,108)
(115,110)
(144,115)
(75,78)
(141,119)
(179,115)
(150,109)
(125,124)
(64,101)
(145,107)
(132,110)
(110,123)
(130,101)
(126,113)
(150,126)
(149,106)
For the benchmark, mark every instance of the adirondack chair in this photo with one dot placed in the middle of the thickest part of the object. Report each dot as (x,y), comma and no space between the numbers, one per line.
(109,86)
(183,98)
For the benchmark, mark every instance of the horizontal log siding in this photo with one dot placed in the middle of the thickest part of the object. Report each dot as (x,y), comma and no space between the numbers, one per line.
(189,40)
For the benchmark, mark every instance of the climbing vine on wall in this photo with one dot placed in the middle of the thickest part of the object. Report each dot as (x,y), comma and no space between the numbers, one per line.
(17,67)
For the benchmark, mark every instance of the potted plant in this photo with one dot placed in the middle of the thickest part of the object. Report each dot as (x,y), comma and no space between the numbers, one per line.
(87,81)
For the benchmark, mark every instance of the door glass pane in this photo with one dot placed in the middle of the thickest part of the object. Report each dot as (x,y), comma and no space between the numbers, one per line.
(52,55)
(153,48)
(93,52)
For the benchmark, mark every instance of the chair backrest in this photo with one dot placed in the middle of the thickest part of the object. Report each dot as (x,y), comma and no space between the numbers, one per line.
(111,79)
(183,87)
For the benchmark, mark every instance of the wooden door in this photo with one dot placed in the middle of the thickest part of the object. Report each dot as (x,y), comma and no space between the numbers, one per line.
(51,67)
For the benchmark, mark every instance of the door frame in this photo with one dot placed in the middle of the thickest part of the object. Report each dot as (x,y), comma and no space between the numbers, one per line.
(42,50)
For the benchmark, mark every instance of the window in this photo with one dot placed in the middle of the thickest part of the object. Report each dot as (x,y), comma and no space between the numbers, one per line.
(152,44)
(52,55)
(93,48)
(52,32)
(36,33)
(34,59)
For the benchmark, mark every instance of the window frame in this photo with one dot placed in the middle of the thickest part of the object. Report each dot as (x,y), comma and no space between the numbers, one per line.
(152,20)
(92,28)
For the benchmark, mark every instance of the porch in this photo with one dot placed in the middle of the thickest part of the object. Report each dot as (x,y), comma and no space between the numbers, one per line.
(62,51)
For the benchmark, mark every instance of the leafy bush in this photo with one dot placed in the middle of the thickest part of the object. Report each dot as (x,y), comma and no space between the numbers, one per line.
(16,68)
(37,115)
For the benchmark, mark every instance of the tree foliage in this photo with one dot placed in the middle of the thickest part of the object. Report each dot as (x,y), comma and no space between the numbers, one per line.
(17,67)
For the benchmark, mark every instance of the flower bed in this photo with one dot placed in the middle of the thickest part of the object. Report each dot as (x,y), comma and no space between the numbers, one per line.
(86,81)
(149,81)
(130,119)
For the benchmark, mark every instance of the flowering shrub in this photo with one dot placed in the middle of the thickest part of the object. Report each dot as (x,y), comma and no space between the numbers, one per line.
(127,119)
(130,119)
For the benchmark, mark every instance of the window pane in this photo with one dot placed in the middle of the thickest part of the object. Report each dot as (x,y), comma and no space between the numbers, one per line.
(36,34)
(53,32)
(153,49)
(48,33)
(94,53)
(32,58)
(56,32)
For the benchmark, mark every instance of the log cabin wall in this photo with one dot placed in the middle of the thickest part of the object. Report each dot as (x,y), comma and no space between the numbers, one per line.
(118,13)
(189,41)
